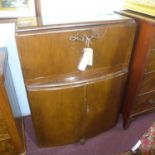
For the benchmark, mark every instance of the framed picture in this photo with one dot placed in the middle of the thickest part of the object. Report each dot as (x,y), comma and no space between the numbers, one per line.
(17,8)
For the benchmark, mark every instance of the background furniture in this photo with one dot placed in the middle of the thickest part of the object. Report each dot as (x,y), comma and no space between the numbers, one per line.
(143,6)
(68,105)
(11,125)
(140,91)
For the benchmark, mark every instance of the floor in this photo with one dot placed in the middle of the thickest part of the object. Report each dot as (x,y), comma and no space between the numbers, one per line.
(112,142)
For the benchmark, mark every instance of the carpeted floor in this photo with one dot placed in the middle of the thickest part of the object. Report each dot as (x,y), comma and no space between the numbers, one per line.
(112,142)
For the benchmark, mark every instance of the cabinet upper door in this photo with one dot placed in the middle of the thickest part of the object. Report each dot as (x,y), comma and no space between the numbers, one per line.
(57,115)
(55,52)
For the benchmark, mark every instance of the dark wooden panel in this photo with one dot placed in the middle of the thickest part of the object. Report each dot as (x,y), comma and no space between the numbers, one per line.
(54,53)
(148,83)
(143,104)
(144,39)
(144,42)
(150,67)
(103,104)
(58,115)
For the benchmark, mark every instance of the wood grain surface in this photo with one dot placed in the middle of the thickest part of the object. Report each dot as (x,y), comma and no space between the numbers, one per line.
(68,105)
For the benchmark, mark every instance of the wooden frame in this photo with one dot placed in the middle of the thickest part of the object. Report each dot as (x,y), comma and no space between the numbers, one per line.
(14,9)
(38,8)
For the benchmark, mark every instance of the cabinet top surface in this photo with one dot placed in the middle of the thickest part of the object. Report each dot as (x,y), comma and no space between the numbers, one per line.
(34,24)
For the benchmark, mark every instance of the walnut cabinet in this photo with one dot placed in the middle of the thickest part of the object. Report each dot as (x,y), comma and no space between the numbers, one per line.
(68,104)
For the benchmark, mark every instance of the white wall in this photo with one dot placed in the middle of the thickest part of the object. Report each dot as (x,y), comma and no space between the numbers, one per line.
(62,11)
(7,33)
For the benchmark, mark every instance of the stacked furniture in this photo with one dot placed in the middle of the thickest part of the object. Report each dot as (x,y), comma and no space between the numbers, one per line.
(140,91)
(69,105)
(141,6)
(11,125)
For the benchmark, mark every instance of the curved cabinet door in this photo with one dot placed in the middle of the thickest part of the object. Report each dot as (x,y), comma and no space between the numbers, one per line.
(104,105)
(65,114)
(57,115)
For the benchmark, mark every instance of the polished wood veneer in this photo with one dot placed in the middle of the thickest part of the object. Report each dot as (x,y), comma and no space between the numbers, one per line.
(69,105)
(11,127)
(143,103)
(150,66)
(141,86)
(60,48)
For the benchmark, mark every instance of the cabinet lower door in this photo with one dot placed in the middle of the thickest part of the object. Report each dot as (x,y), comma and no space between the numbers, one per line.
(103,104)
(57,115)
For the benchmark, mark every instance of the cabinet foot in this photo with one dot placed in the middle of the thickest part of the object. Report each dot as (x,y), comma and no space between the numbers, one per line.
(127,123)
(82,141)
